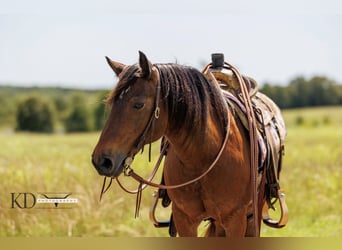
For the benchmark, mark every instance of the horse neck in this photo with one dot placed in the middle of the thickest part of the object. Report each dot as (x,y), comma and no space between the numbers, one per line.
(198,147)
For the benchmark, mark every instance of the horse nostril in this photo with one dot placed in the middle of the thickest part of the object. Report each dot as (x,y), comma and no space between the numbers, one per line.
(106,163)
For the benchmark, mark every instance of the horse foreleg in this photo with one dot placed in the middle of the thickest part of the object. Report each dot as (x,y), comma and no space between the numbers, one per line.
(214,229)
(236,224)
(250,230)
(186,226)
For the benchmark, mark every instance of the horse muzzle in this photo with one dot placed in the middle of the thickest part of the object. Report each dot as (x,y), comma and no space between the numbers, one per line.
(109,165)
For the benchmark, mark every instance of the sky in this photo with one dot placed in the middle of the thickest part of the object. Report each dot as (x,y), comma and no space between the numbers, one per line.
(64,43)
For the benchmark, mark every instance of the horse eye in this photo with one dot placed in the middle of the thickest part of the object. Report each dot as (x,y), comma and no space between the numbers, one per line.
(138,105)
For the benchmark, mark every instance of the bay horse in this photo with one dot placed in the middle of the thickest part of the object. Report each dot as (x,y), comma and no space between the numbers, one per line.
(178,103)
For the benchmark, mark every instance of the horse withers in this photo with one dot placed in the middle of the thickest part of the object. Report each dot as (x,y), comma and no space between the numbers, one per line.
(209,147)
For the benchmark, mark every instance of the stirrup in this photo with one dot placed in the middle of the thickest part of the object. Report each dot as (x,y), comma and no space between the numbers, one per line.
(283,209)
(153,218)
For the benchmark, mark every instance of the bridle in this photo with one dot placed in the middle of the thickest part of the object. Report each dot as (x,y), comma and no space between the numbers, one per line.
(143,183)
(149,127)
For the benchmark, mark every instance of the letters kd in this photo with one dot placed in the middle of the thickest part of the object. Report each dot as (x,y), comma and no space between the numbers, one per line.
(23,200)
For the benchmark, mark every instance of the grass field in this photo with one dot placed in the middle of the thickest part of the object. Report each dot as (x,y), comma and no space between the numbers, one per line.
(311,178)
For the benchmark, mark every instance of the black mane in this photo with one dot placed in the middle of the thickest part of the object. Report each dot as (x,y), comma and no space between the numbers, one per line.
(190,96)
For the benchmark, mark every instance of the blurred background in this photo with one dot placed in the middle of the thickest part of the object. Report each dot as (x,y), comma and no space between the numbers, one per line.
(53,79)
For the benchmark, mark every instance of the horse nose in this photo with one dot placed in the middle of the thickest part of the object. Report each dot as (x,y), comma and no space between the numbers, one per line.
(109,165)
(104,165)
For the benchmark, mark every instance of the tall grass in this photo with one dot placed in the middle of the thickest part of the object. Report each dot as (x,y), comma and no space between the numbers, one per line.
(61,163)
(311,178)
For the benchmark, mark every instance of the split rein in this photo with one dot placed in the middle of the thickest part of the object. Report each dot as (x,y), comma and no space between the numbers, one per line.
(143,183)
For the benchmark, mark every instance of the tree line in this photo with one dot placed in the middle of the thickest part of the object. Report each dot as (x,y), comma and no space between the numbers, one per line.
(52,109)
(73,110)
(302,92)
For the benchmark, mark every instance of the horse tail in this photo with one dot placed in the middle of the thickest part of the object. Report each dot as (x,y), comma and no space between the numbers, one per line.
(211,228)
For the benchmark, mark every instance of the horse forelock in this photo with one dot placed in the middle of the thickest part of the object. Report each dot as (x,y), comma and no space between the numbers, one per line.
(126,78)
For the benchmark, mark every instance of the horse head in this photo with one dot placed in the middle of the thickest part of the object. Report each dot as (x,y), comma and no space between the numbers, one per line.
(137,116)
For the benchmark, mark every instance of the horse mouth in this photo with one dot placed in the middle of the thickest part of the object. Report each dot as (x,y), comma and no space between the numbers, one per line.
(109,165)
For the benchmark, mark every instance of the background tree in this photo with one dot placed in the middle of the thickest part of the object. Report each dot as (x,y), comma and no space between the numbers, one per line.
(8,108)
(100,112)
(280,94)
(301,92)
(322,91)
(36,115)
(79,119)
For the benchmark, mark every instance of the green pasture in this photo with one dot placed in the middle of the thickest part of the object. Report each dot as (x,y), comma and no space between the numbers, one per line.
(34,163)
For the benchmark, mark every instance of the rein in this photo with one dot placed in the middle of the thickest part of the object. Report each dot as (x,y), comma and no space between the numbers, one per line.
(254,146)
(143,183)
(161,186)
(253,141)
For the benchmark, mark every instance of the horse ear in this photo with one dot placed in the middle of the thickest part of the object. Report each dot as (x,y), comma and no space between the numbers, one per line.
(116,66)
(145,65)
